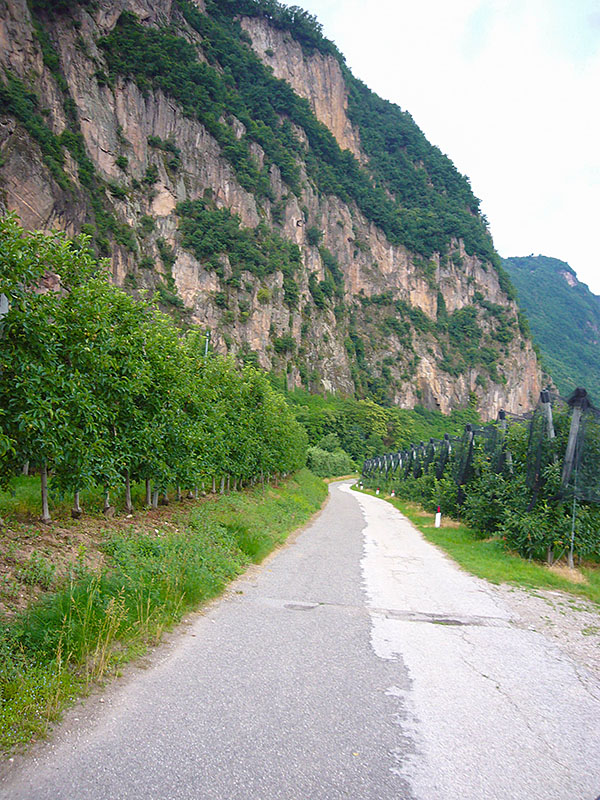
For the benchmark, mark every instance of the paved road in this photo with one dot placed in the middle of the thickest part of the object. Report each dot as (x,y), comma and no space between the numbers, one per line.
(357,663)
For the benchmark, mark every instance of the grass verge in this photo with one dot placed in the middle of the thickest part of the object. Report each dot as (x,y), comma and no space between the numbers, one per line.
(489,559)
(68,639)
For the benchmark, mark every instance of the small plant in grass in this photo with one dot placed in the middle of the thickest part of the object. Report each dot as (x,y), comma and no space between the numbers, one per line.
(37,571)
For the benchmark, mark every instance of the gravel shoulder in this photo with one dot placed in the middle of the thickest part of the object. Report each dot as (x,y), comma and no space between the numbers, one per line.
(573,623)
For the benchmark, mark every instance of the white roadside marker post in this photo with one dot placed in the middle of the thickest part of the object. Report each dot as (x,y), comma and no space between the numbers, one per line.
(438,517)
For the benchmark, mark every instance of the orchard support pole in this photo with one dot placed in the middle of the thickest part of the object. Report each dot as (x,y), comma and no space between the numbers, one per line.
(579,403)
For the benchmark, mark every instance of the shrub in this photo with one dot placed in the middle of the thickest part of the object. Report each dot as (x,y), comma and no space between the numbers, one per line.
(327,465)
(313,236)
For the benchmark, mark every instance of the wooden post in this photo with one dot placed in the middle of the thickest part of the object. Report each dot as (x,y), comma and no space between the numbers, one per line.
(547,409)
(578,402)
(571,444)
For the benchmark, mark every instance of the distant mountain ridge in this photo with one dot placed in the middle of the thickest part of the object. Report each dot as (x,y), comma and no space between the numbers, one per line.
(565,320)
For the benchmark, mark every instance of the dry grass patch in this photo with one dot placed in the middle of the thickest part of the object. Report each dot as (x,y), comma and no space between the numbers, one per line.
(563,571)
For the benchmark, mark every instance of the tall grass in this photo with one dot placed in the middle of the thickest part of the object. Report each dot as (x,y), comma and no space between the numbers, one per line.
(71,638)
(261,519)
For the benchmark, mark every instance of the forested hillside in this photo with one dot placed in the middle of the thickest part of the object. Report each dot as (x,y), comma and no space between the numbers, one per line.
(565,320)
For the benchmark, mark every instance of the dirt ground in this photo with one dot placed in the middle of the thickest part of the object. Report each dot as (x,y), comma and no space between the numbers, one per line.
(37,558)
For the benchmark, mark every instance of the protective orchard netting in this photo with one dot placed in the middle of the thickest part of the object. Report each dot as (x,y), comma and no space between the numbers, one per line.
(542,445)
(430,451)
(419,460)
(493,438)
(561,434)
(444,453)
(531,480)
(580,476)
(462,463)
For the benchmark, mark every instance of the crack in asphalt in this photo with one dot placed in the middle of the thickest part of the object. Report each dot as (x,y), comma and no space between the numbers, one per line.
(584,681)
(511,702)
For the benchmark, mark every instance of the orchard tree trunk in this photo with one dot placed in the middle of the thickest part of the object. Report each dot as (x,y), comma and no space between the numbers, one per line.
(148,494)
(128,503)
(179,492)
(76,511)
(25,470)
(155,498)
(46,519)
(108,510)
(222,491)
(214,485)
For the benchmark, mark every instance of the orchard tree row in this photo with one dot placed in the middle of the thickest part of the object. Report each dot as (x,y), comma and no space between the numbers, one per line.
(101,389)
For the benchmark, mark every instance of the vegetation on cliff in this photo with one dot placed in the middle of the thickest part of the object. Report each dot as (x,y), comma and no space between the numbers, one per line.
(363,429)
(418,198)
(213,234)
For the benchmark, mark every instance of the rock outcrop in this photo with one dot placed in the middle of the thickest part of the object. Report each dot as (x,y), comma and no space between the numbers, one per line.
(348,342)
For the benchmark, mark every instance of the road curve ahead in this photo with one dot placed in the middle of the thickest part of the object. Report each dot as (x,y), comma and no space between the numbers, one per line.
(357,663)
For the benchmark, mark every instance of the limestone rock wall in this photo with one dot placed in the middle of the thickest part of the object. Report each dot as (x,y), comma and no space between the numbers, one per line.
(117,121)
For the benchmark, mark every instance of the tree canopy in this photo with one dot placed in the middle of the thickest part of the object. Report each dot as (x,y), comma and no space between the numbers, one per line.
(101,388)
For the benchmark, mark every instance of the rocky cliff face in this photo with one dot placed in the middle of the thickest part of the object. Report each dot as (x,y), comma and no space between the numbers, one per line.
(84,146)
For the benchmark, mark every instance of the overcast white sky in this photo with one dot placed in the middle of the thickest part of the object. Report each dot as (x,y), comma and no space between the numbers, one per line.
(510,91)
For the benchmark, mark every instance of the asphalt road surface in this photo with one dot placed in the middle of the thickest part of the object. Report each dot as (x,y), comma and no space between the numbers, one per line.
(359,663)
